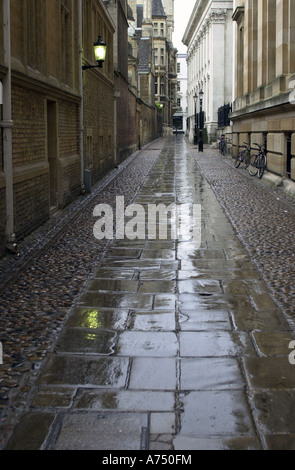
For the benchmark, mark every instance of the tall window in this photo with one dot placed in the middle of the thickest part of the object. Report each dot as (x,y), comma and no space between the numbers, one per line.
(66,41)
(37,34)
(156,56)
(162,56)
(162,85)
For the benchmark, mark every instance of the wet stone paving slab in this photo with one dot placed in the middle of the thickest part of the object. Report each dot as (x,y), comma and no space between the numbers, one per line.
(171,345)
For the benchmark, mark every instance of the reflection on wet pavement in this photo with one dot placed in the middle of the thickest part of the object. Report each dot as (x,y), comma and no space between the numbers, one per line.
(181,344)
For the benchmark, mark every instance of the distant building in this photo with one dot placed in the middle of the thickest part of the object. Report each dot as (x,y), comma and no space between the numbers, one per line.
(150,38)
(264,96)
(45,153)
(209,38)
(63,126)
(180,117)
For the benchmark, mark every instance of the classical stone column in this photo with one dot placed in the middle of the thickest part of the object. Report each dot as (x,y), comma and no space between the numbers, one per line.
(282,49)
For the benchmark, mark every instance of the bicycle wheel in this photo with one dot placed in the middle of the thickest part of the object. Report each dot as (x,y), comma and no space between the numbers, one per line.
(252,168)
(239,158)
(247,159)
(262,166)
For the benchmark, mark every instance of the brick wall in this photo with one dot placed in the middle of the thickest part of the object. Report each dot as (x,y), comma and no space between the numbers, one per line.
(126,119)
(30,204)
(99,118)
(29,130)
(31,170)
(69,152)
(2,219)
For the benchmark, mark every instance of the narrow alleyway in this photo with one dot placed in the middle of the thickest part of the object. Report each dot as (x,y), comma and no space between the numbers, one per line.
(158,344)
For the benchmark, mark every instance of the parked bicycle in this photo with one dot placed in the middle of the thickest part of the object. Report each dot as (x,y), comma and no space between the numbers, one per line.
(222,145)
(244,156)
(258,162)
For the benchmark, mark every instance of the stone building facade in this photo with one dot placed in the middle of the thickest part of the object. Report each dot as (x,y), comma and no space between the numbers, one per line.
(56,121)
(180,116)
(209,39)
(150,38)
(264,105)
(63,126)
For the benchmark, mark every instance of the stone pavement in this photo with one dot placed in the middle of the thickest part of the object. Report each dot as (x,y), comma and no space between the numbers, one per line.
(171,346)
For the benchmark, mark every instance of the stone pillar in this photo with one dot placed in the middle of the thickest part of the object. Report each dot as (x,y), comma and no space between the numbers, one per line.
(271,40)
(276,156)
(282,37)
(291,40)
(218,67)
(262,43)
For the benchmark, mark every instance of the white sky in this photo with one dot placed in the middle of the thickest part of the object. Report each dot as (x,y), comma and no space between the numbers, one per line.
(182,12)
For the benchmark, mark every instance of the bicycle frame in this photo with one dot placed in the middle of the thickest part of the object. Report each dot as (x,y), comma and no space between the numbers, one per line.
(243,156)
(258,162)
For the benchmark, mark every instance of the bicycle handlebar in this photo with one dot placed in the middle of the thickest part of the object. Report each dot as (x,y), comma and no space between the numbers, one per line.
(261,147)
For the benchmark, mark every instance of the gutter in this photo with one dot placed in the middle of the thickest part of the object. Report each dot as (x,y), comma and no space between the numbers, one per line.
(7,124)
(81,95)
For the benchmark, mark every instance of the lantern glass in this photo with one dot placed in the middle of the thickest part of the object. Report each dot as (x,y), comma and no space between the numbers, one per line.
(100,50)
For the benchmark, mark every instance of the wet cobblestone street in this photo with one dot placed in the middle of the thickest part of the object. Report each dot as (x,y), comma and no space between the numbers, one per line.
(154,344)
(264,218)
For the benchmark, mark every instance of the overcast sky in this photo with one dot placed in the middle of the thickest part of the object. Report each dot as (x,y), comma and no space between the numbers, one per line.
(182,13)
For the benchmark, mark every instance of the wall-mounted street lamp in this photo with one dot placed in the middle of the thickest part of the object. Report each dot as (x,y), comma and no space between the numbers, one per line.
(196,120)
(201,146)
(100,50)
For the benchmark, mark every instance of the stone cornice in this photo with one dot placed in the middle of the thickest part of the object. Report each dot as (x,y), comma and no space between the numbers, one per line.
(217,15)
(214,16)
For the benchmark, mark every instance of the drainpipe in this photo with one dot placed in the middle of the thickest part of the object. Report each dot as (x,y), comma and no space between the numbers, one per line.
(7,132)
(81,94)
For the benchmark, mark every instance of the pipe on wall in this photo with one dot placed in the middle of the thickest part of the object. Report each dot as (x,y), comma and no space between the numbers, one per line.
(7,124)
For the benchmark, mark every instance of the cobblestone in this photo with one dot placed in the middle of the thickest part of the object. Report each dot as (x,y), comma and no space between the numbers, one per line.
(157,300)
(263,217)
(47,277)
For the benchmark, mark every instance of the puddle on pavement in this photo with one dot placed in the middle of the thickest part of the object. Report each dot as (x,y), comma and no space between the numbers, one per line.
(157,286)
(207,286)
(204,320)
(152,321)
(211,374)
(96,318)
(109,285)
(116,300)
(87,340)
(125,400)
(215,343)
(153,373)
(216,413)
(152,344)
(78,370)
